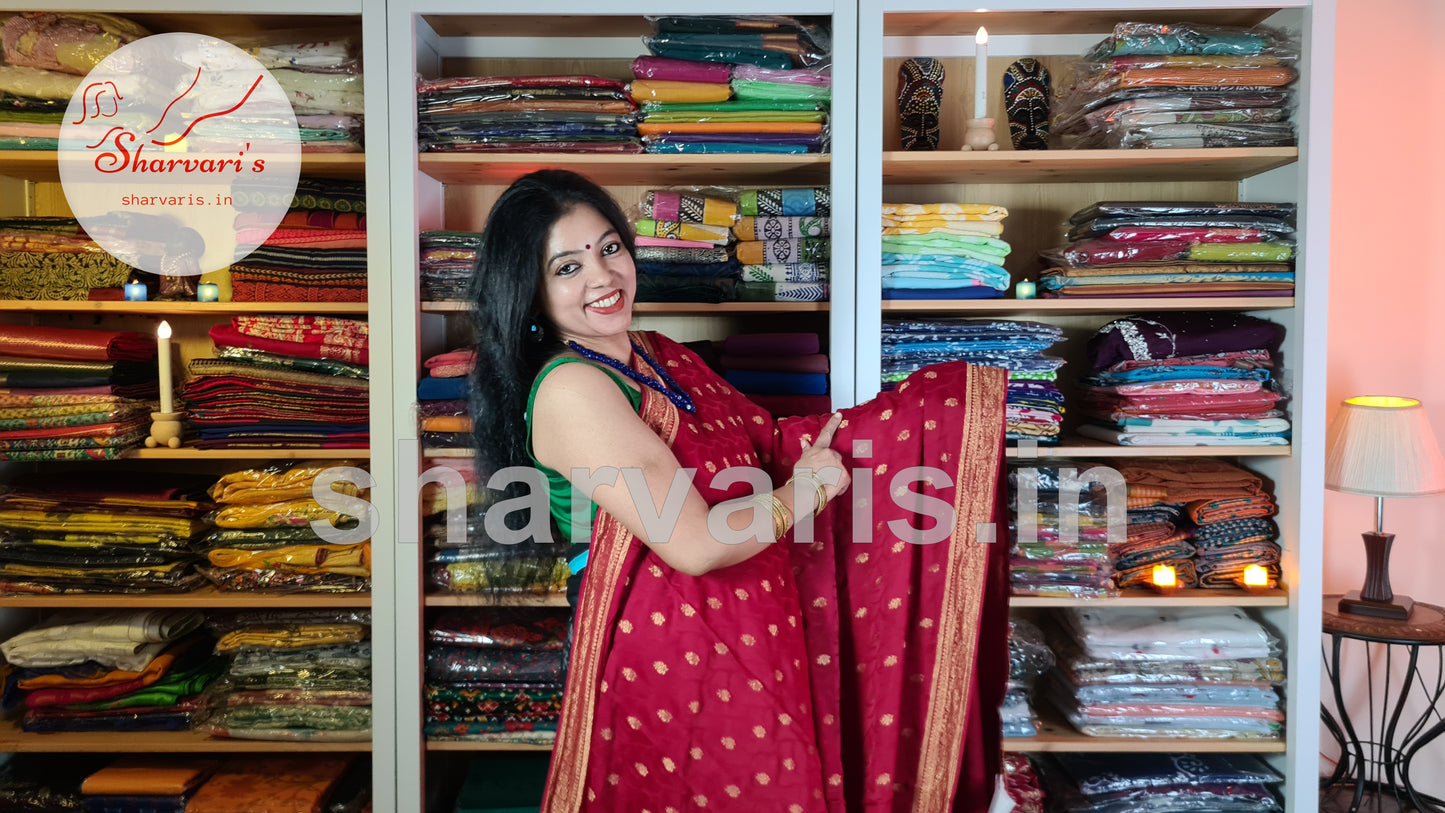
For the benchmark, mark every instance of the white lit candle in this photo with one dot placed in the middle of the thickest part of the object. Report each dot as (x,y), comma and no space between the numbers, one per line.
(1164,576)
(1256,576)
(163,356)
(980,74)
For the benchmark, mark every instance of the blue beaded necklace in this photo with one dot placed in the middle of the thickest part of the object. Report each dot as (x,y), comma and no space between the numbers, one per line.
(668,387)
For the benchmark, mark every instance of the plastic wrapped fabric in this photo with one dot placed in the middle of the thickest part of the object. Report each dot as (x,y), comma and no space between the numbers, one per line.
(457,664)
(68,42)
(501,628)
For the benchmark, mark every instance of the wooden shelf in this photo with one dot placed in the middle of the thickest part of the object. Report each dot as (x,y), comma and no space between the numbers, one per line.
(632,170)
(205,598)
(1075,447)
(1044,307)
(184,453)
(1083,166)
(486,600)
(13,740)
(42,165)
(1089,21)
(663,308)
(201,309)
(469,745)
(1143,597)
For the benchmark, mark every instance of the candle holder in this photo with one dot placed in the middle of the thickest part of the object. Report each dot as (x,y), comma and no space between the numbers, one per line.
(1166,589)
(166,430)
(978,135)
(1256,589)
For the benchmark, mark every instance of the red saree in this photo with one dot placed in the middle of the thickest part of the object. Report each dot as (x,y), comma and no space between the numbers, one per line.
(831,676)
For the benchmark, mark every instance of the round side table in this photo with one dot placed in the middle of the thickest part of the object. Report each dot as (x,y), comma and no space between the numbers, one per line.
(1379,764)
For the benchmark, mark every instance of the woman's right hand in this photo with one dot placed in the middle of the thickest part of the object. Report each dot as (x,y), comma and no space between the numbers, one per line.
(819,457)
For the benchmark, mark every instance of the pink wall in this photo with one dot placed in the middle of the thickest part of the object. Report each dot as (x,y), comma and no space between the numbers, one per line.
(1387,327)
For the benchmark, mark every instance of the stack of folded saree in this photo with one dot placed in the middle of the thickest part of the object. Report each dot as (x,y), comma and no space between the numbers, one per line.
(295,675)
(296,783)
(1029,657)
(323,80)
(1035,405)
(445,423)
(1021,780)
(53,258)
(944,251)
(1059,549)
(73,393)
(281,382)
(1169,248)
(733,85)
(1164,495)
(462,556)
(45,56)
(1136,783)
(784,244)
(1181,85)
(559,113)
(1184,379)
(41,783)
(317,253)
(681,249)
(130,671)
(264,538)
(1149,672)
(446,264)
(151,783)
(785,373)
(84,533)
(495,676)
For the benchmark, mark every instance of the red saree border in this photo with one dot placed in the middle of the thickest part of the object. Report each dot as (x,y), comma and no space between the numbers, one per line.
(975,483)
(592,627)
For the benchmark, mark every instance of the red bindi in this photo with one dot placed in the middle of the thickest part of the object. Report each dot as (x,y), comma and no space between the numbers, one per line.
(588,246)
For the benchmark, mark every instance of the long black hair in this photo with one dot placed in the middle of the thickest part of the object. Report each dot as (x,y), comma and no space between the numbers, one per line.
(514,337)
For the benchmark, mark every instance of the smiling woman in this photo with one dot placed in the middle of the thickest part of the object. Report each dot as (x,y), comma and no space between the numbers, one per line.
(711,666)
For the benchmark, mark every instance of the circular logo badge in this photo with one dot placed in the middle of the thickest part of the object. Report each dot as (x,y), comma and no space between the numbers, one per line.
(179,154)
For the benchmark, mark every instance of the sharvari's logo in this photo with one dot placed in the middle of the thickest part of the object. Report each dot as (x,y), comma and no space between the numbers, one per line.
(179,154)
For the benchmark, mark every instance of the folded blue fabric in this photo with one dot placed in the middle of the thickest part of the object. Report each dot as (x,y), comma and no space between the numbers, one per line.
(770,383)
(438,389)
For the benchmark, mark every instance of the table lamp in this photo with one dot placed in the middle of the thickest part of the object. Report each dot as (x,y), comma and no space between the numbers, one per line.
(1381,446)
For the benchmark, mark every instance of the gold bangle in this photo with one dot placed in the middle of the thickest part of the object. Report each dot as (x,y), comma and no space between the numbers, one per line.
(820,500)
(782,518)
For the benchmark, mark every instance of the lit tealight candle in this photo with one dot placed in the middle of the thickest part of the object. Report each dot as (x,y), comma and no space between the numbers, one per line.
(1164,580)
(208,292)
(163,357)
(1256,576)
(1025,290)
(135,291)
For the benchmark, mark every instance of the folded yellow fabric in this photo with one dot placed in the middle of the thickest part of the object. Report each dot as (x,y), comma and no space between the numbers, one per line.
(673,92)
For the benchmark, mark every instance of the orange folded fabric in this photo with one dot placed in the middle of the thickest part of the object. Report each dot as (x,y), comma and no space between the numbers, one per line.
(673,92)
(447,423)
(269,785)
(149,776)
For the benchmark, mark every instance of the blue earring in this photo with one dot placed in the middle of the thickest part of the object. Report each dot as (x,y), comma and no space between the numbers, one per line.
(534,332)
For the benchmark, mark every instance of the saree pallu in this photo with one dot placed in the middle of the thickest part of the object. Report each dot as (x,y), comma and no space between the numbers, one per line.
(852,685)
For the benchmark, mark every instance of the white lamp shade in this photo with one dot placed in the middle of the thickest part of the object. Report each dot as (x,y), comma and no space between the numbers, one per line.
(1382,446)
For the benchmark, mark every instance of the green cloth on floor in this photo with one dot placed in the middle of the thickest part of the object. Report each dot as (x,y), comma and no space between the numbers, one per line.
(510,783)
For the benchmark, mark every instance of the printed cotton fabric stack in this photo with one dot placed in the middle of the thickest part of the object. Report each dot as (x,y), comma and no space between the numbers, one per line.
(264,538)
(324,83)
(784,244)
(1184,379)
(1029,657)
(682,239)
(1035,405)
(944,251)
(296,783)
(150,783)
(1164,249)
(1160,783)
(1059,550)
(74,394)
(785,373)
(295,675)
(126,671)
(317,253)
(495,675)
(53,258)
(1153,672)
(1181,85)
(448,259)
(82,532)
(43,57)
(1163,494)
(733,85)
(560,113)
(281,382)
(445,423)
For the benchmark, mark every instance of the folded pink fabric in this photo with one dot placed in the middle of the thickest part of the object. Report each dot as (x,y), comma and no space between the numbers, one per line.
(813,363)
(771,344)
(680,70)
(664,242)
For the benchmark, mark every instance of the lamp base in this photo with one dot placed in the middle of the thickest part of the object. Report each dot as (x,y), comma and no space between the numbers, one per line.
(1398,608)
